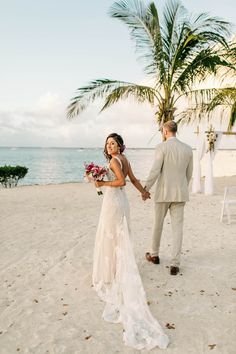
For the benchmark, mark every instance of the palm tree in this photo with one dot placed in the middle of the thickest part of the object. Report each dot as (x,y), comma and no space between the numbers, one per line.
(176,51)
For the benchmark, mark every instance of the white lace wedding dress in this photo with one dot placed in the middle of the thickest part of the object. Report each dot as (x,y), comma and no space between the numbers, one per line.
(116,277)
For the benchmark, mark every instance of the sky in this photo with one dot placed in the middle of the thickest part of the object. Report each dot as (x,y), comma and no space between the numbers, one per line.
(49,48)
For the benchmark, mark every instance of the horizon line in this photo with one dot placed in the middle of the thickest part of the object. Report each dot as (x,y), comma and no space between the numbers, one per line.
(84,148)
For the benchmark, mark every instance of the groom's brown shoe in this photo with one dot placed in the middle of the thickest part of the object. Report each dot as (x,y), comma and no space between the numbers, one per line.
(153,259)
(174,270)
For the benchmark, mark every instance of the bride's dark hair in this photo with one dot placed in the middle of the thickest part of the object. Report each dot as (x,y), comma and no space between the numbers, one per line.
(119,141)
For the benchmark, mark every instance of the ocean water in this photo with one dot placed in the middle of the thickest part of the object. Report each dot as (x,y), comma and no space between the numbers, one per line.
(61,165)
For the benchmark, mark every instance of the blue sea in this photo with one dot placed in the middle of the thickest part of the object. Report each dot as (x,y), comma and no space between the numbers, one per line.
(62,165)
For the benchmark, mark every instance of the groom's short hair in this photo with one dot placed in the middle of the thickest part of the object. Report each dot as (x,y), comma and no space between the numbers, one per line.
(171,126)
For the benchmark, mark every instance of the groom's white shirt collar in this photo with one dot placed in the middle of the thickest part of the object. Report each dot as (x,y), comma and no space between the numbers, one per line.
(171,137)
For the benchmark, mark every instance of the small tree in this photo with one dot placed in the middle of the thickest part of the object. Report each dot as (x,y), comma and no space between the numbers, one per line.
(10,175)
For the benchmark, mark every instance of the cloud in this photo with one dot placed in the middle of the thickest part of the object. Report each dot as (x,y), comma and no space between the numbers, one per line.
(45,124)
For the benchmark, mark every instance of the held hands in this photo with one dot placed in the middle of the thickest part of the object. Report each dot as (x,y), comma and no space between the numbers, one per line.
(146,195)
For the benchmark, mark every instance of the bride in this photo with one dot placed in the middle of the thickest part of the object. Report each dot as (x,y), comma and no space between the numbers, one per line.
(115,274)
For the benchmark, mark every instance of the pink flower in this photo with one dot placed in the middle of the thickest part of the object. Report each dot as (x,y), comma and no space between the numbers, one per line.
(95,171)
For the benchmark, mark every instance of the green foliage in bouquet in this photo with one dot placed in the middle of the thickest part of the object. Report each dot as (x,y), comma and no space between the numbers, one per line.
(10,175)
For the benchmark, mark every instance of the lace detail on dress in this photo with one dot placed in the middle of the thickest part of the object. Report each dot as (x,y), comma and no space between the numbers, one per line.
(116,277)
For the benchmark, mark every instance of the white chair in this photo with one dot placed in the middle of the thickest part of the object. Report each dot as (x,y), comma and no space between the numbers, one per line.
(229,199)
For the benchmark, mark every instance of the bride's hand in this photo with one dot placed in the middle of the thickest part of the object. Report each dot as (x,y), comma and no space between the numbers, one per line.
(146,195)
(98,184)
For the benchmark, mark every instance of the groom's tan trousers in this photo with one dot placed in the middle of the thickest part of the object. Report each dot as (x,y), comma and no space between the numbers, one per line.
(177,216)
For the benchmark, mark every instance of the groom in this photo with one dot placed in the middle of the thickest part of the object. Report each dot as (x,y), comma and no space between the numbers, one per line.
(172,171)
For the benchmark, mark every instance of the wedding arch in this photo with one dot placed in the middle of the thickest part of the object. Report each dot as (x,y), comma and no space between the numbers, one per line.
(208,142)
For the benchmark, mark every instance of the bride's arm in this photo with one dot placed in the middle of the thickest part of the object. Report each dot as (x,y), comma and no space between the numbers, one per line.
(136,182)
(120,179)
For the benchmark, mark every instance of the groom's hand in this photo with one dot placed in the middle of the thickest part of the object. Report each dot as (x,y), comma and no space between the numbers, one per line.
(146,196)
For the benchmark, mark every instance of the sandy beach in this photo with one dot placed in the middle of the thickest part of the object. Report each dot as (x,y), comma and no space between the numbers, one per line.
(48,304)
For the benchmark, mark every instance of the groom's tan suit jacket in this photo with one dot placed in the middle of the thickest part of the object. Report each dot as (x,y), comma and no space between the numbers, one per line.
(172,171)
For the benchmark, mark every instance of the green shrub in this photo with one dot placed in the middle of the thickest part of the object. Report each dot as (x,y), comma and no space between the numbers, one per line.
(10,175)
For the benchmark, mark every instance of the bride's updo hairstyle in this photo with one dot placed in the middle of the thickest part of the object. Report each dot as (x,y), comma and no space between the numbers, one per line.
(119,141)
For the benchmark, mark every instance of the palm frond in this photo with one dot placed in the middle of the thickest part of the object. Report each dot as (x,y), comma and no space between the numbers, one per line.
(211,29)
(88,94)
(191,115)
(223,97)
(157,65)
(198,103)
(173,18)
(226,74)
(205,102)
(187,49)
(205,63)
(195,35)
(200,97)
(143,22)
(139,92)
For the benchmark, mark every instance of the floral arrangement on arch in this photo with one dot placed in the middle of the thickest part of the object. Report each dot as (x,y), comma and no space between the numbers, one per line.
(211,138)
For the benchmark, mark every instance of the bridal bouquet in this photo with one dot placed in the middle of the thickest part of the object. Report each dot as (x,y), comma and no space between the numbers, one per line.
(95,173)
